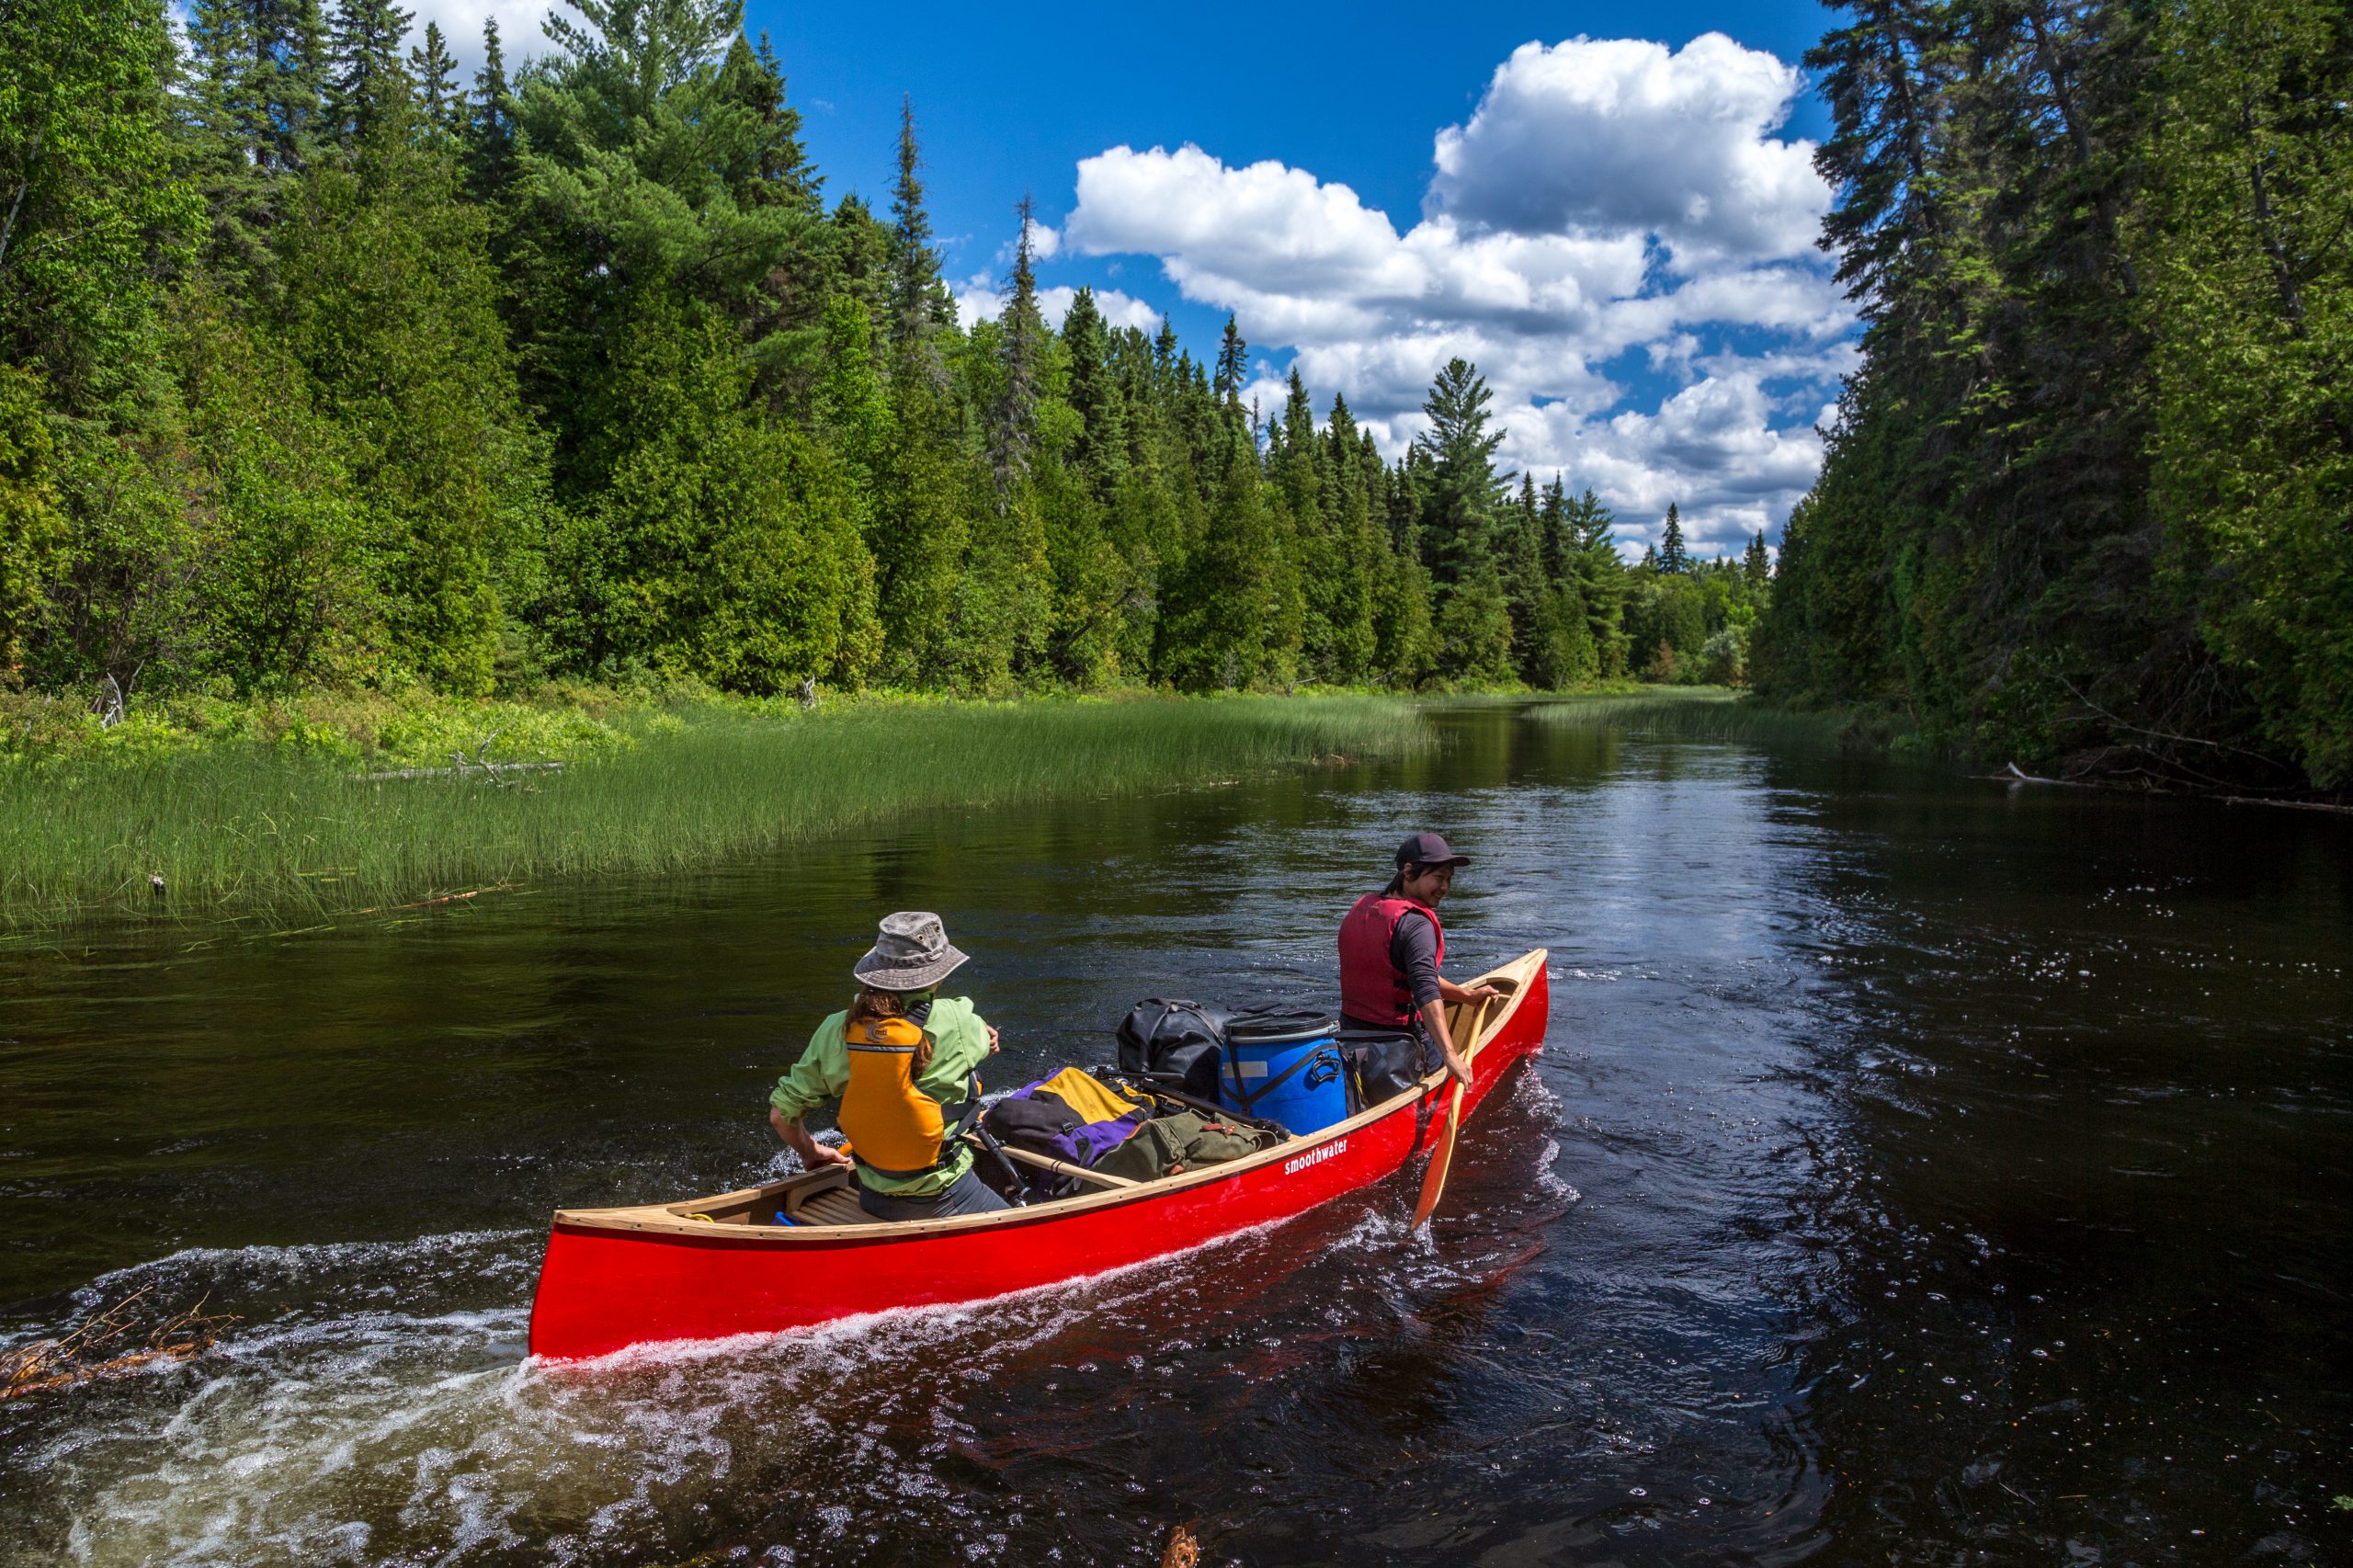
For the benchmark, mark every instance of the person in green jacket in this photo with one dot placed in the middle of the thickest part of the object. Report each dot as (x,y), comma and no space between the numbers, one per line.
(903,1061)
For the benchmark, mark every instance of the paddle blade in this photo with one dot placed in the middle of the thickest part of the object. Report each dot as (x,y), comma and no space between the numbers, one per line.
(1434,1180)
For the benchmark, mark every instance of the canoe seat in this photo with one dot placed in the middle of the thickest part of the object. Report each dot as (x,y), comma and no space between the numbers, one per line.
(832,1206)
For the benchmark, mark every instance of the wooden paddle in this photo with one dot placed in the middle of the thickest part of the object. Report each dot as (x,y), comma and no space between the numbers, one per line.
(1434,1180)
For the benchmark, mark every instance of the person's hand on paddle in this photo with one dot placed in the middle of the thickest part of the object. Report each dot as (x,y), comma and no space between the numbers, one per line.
(1481,993)
(1457,1069)
(818,1157)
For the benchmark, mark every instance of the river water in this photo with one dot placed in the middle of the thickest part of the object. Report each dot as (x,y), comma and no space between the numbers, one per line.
(1918,1171)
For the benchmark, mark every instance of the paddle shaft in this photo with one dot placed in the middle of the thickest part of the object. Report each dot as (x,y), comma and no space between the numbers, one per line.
(1434,1180)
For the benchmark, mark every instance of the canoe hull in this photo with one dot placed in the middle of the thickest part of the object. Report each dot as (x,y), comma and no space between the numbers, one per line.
(609,1283)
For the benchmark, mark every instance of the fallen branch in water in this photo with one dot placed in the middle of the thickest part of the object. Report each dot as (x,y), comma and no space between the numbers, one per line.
(445,898)
(1183,1551)
(462,767)
(2292,805)
(2015,775)
(100,1347)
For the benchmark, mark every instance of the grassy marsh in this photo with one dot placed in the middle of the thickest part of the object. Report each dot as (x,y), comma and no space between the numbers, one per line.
(284,832)
(1718,713)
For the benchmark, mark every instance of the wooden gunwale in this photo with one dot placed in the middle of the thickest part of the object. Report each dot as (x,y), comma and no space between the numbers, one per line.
(670,1221)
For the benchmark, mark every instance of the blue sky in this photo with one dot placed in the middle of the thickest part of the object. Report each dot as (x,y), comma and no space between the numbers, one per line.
(1620,240)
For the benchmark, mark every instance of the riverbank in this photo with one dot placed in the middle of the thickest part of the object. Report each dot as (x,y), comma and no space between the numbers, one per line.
(335,805)
(1720,714)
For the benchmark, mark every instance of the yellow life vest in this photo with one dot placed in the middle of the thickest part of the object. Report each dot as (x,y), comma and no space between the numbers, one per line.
(893,1128)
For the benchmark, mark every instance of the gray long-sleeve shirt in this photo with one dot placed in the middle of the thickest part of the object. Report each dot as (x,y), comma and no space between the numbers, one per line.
(1413,948)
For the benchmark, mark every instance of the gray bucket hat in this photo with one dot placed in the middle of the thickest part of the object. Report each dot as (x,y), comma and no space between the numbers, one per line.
(912,954)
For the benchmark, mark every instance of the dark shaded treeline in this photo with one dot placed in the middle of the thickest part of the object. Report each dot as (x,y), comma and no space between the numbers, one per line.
(324,366)
(2091,500)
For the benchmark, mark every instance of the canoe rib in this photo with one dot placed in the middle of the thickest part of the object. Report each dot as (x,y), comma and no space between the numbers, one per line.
(615,1276)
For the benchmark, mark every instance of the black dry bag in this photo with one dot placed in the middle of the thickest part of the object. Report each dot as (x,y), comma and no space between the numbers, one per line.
(1385,1063)
(1176,1040)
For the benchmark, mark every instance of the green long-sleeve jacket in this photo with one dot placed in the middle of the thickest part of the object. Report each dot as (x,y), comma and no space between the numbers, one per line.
(959,1041)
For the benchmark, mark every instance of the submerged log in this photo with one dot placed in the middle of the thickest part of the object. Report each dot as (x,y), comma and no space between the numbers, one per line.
(462,767)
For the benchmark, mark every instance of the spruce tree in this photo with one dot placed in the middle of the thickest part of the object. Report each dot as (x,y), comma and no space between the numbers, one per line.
(914,265)
(1672,559)
(1164,359)
(1756,566)
(1012,423)
(767,167)
(1233,366)
(439,102)
(490,124)
(1460,493)
(1463,485)
(288,80)
(1100,449)
(367,79)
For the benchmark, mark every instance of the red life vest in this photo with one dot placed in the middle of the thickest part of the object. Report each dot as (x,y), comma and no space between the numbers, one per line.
(1373,990)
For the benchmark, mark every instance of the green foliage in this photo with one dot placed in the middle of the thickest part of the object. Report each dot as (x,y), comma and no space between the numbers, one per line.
(2253,316)
(345,379)
(92,206)
(32,526)
(716,546)
(391,308)
(2085,502)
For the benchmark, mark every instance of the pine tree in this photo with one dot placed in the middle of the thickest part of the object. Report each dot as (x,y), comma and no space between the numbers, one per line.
(1013,421)
(367,79)
(440,104)
(1672,559)
(1756,566)
(1460,498)
(490,124)
(768,167)
(1233,366)
(656,159)
(1100,449)
(1464,487)
(288,80)
(1164,359)
(914,265)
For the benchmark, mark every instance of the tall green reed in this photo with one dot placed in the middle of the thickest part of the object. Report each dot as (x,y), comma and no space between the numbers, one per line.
(245,829)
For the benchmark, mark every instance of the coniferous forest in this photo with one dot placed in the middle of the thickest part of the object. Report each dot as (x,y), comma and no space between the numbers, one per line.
(327,368)
(2091,497)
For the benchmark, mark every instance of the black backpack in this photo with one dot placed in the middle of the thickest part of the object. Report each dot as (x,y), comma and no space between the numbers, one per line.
(1385,1063)
(1176,1043)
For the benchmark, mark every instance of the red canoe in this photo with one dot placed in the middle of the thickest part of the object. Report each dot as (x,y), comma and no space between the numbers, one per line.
(716,1266)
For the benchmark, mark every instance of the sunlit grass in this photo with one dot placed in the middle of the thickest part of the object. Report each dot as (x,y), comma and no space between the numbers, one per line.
(1717,713)
(255,829)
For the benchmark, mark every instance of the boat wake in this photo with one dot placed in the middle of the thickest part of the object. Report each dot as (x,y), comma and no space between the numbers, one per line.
(373,1404)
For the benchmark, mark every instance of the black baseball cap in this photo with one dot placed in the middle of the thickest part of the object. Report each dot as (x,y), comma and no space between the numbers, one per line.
(1429,849)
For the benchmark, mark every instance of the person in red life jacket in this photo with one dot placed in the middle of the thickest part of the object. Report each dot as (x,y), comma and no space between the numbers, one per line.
(1392,946)
(904,1062)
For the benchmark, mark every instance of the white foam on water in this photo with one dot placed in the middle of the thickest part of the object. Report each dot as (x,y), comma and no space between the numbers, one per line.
(388,1415)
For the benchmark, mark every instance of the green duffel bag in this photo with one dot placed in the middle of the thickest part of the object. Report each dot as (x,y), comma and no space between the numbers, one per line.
(1170,1145)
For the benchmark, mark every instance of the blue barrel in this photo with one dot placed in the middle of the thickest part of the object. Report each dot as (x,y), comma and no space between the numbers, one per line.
(1285,1067)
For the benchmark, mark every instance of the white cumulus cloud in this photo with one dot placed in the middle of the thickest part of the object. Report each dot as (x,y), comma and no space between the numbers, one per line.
(1623,135)
(1611,210)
